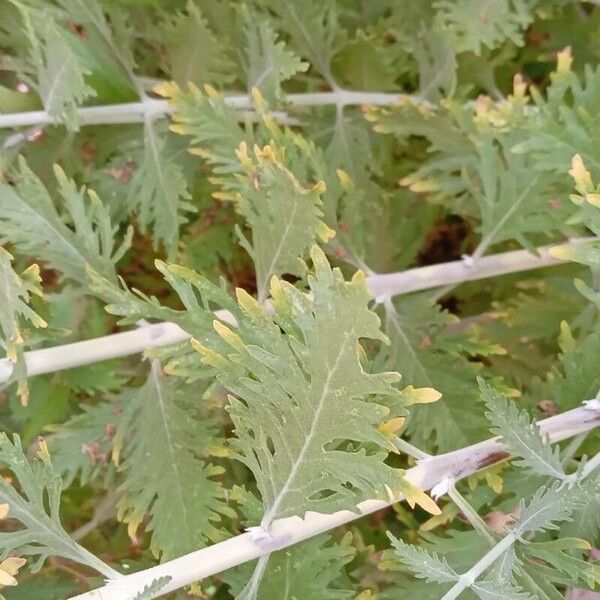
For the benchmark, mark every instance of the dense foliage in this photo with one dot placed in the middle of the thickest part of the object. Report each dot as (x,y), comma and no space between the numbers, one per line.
(264,196)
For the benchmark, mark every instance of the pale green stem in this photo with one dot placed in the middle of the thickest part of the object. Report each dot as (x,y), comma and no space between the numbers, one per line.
(470,577)
(471,514)
(407,448)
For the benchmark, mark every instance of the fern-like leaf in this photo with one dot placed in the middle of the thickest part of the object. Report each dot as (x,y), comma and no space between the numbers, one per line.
(283,215)
(292,377)
(477,25)
(15,295)
(36,508)
(60,73)
(159,190)
(267,60)
(30,222)
(521,435)
(193,53)
(185,501)
(494,589)
(425,565)
(548,507)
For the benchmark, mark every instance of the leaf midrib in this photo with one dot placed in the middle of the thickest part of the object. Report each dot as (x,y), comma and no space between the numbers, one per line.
(272,513)
(170,446)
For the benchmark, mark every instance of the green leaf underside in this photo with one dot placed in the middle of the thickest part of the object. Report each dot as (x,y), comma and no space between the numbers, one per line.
(186,503)
(287,399)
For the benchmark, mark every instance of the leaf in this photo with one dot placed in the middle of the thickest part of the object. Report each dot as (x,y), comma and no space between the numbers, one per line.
(36,508)
(554,559)
(311,570)
(186,502)
(48,403)
(267,60)
(521,435)
(153,588)
(585,522)
(576,378)
(472,166)
(192,51)
(159,191)
(51,588)
(283,215)
(30,221)
(82,446)
(368,63)
(209,121)
(587,201)
(90,14)
(485,24)
(435,55)
(426,355)
(498,590)
(460,549)
(291,377)
(281,210)
(425,565)
(16,293)
(313,28)
(549,506)
(564,122)
(61,75)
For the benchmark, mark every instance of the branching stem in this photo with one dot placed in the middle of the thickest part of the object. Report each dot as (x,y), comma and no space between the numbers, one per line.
(471,515)
(289,531)
(136,112)
(382,287)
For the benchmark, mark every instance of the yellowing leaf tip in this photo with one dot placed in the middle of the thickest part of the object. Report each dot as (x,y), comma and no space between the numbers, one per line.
(581,176)
(392,426)
(562,252)
(564,60)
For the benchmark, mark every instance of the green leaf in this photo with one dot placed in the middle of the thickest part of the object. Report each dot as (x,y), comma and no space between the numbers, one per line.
(498,590)
(548,507)
(485,24)
(576,378)
(311,570)
(30,221)
(521,435)
(186,502)
(313,29)
(48,404)
(49,588)
(267,60)
(367,63)
(291,377)
(159,190)
(192,51)
(210,122)
(60,74)
(153,588)
(564,123)
(460,549)
(16,293)
(281,210)
(472,168)
(82,446)
(425,355)
(36,508)
(283,215)
(91,14)
(435,55)
(425,565)
(587,201)
(554,559)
